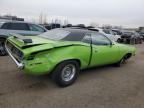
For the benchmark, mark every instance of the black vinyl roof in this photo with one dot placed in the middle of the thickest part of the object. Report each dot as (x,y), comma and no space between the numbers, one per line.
(67,34)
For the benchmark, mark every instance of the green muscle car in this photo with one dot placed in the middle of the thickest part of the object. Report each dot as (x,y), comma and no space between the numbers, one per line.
(64,52)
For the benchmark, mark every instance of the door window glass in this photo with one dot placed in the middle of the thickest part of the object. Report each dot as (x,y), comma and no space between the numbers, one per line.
(87,39)
(34,27)
(99,39)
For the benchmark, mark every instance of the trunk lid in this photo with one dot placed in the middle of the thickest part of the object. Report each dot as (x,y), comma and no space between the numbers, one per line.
(35,41)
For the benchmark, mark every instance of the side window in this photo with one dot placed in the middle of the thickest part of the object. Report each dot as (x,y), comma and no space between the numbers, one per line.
(19,26)
(6,26)
(87,38)
(34,27)
(106,31)
(99,39)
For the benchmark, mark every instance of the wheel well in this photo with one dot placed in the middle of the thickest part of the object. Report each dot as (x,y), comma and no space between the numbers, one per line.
(128,55)
(77,60)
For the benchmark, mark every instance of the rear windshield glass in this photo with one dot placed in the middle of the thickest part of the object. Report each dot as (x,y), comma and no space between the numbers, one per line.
(55,34)
(60,34)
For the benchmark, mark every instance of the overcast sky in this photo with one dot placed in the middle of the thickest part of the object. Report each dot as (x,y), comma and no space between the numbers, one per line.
(128,13)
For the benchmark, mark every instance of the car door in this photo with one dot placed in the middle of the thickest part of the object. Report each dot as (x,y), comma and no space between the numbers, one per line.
(103,50)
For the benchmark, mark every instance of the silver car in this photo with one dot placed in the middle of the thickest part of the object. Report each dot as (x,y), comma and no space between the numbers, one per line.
(22,28)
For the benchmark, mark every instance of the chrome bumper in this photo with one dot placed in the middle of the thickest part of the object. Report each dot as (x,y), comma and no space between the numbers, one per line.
(19,65)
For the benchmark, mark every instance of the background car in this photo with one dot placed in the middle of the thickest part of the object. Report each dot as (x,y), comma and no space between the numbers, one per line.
(109,33)
(131,37)
(23,28)
(52,26)
(117,32)
(63,52)
(142,34)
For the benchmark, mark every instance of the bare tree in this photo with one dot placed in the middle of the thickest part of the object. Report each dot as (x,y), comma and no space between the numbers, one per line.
(41,18)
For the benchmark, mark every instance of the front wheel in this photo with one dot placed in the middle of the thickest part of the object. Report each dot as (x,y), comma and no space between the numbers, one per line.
(133,41)
(66,73)
(122,61)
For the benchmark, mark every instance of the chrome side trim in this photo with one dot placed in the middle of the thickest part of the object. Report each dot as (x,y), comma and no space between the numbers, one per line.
(19,65)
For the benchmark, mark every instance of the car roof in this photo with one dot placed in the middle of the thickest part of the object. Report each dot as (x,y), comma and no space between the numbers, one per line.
(16,22)
(78,30)
(73,34)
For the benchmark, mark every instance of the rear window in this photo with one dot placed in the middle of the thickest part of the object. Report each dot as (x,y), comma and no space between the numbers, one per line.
(60,34)
(55,34)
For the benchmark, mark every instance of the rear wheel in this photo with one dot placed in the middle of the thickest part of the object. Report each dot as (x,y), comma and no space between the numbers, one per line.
(140,41)
(137,41)
(132,41)
(66,73)
(119,40)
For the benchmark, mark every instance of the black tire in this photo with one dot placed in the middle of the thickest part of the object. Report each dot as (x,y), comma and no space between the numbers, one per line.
(121,62)
(119,40)
(127,41)
(132,41)
(137,41)
(140,42)
(3,51)
(59,72)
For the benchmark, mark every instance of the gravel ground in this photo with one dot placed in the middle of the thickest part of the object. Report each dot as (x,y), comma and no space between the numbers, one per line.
(104,87)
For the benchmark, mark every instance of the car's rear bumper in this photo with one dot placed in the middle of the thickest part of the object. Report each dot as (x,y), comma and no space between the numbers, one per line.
(19,65)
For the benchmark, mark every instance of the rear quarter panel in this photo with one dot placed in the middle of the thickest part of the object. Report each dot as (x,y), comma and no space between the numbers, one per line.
(81,53)
(51,58)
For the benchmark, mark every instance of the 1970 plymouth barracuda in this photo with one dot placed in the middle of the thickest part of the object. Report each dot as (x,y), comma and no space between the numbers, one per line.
(63,52)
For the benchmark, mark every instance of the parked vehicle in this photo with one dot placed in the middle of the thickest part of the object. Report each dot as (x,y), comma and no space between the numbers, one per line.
(117,32)
(63,52)
(142,34)
(23,28)
(109,33)
(52,26)
(131,37)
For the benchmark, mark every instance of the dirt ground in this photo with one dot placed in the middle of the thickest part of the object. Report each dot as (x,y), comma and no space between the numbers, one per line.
(104,87)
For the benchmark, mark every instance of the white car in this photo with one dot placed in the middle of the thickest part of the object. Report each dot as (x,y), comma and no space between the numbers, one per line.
(109,33)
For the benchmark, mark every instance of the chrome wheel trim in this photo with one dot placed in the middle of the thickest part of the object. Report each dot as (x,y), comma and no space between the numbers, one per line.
(68,72)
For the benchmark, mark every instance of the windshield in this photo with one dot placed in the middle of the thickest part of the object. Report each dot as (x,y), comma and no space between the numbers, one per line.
(55,34)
